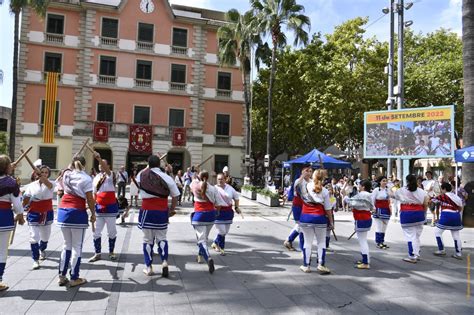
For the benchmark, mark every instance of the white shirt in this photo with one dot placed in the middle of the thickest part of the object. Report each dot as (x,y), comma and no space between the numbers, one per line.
(77,183)
(322,197)
(434,143)
(107,185)
(361,201)
(174,191)
(300,186)
(228,194)
(211,193)
(410,197)
(379,194)
(16,201)
(120,178)
(37,191)
(430,186)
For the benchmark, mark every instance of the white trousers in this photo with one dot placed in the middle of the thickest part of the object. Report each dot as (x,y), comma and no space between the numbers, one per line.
(4,238)
(364,245)
(380,225)
(202,233)
(39,233)
(149,236)
(222,229)
(456,237)
(101,222)
(73,240)
(412,235)
(309,234)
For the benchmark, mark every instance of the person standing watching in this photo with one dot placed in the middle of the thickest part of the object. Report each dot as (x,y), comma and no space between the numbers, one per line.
(122,180)
(432,189)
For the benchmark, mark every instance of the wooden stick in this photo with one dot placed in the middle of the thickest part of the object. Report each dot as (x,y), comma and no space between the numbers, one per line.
(22,156)
(31,163)
(12,234)
(334,233)
(163,156)
(82,147)
(351,235)
(90,148)
(205,160)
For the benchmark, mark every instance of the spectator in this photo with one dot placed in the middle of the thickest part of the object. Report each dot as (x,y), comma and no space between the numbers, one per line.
(122,181)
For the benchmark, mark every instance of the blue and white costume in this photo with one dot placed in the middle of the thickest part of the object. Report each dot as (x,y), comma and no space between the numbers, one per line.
(225,215)
(296,207)
(381,200)
(450,219)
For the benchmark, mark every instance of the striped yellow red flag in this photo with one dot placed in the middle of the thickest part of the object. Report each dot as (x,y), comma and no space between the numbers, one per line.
(50,106)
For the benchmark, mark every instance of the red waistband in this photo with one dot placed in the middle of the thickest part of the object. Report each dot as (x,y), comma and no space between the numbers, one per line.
(361,214)
(313,208)
(5,205)
(411,207)
(203,206)
(73,201)
(226,208)
(297,201)
(155,204)
(105,198)
(382,203)
(39,206)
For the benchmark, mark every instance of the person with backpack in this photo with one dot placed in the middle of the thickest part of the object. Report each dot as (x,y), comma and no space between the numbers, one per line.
(155,187)
(122,181)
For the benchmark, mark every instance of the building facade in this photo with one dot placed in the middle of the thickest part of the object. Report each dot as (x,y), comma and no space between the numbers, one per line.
(138,77)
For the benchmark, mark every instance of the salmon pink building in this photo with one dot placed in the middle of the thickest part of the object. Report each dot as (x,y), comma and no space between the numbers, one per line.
(136,77)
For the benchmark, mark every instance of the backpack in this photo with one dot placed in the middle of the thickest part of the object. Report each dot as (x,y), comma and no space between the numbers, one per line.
(153,184)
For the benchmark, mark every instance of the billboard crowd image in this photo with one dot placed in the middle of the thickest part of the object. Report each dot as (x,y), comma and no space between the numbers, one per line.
(422,132)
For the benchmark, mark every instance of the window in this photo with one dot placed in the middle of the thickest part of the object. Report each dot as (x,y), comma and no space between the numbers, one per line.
(220,161)
(52,62)
(56,119)
(105,112)
(107,65)
(109,28)
(145,32)
(55,24)
(48,155)
(176,118)
(3,124)
(224,81)
(141,115)
(222,124)
(180,37)
(143,70)
(178,73)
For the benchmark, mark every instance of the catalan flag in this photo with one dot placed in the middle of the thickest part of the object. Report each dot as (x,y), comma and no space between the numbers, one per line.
(52,79)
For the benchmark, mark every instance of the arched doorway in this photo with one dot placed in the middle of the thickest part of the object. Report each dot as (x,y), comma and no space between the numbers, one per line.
(106,154)
(179,158)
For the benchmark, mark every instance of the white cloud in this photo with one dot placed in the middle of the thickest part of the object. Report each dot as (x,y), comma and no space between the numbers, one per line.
(451,17)
(193,3)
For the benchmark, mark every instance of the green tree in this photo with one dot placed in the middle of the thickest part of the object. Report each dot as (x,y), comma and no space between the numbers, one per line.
(3,143)
(16,6)
(270,17)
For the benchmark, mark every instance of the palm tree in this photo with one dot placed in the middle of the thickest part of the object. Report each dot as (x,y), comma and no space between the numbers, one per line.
(468,60)
(16,6)
(270,17)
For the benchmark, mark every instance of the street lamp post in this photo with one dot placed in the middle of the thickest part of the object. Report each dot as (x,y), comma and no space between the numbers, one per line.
(390,99)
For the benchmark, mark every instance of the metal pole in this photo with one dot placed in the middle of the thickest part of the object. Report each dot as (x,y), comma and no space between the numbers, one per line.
(400,83)
(390,71)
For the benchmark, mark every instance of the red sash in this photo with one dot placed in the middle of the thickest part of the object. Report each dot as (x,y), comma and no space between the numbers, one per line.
(73,201)
(159,204)
(313,209)
(411,207)
(297,201)
(382,203)
(200,206)
(361,215)
(226,209)
(41,206)
(105,198)
(5,205)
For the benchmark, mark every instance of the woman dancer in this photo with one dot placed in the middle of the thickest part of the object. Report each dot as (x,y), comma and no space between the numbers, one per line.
(72,219)
(206,200)
(362,206)
(39,198)
(296,207)
(226,214)
(413,204)
(10,204)
(450,219)
(315,219)
(381,200)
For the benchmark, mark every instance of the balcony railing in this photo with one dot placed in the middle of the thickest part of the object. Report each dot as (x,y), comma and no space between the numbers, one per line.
(143,83)
(145,46)
(55,38)
(107,79)
(55,127)
(177,86)
(224,93)
(222,139)
(109,41)
(179,50)
(45,75)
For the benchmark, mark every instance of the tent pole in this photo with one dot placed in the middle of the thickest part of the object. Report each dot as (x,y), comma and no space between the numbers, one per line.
(456,177)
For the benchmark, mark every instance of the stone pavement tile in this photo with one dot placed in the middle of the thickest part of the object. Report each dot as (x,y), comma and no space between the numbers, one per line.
(289,287)
(458,309)
(174,309)
(83,302)
(247,307)
(288,310)
(312,304)
(331,295)
(253,281)
(134,305)
(90,312)
(414,305)
(211,306)
(271,298)
(168,298)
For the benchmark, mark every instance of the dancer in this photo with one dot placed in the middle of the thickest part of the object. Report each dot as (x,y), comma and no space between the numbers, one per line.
(316,217)
(296,207)
(38,196)
(155,187)
(333,201)
(413,204)
(72,219)
(381,200)
(226,214)
(106,208)
(362,206)
(11,211)
(450,219)
(206,200)
(432,188)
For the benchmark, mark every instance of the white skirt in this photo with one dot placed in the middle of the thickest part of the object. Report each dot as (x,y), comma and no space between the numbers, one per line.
(133,189)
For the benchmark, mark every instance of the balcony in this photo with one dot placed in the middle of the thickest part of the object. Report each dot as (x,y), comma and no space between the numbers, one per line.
(143,83)
(45,75)
(174,86)
(220,139)
(176,50)
(109,41)
(147,46)
(224,93)
(107,79)
(54,38)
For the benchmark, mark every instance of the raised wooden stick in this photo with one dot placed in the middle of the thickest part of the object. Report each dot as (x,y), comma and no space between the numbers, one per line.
(203,162)
(82,148)
(163,156)
(31,163)
(22,156)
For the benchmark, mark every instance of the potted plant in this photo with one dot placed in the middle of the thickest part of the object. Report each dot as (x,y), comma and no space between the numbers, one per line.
(249,192)
(268,197)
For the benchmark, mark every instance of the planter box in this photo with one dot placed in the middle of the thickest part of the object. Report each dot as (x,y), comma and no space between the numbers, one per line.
(252,195)
(267,201)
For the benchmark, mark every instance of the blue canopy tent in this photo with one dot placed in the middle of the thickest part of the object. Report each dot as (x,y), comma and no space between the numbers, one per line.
(315,157)
(464,155)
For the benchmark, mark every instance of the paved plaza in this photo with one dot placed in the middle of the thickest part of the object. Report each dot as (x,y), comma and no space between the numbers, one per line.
(258,275)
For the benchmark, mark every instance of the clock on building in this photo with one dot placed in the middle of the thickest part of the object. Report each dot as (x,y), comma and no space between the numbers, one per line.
(147,6)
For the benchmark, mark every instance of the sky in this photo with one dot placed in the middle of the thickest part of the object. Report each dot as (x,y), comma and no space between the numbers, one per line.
(427,16)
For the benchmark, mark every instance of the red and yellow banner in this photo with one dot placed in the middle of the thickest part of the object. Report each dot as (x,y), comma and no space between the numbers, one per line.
(410,115)
(52,79)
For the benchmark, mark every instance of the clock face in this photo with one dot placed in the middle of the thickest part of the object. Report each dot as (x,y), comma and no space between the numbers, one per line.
(147,6)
